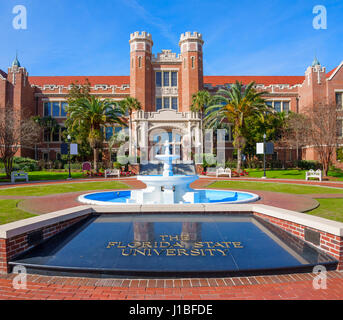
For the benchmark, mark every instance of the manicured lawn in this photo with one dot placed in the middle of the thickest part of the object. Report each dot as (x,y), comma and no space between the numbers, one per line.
(9,212)
(291,174)
(331,209)
(46,175)
(62,188)
(275,187)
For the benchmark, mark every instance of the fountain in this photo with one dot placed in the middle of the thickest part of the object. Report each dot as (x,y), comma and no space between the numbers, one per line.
(167,189)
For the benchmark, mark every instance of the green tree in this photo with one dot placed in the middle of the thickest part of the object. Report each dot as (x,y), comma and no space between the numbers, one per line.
(200,101)
(49,125)
(116,141)
(90,115)
(130,105)
(270,123)
(235,105)
(295,132)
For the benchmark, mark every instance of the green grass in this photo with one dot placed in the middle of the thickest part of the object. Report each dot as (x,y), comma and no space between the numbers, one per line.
(46,175)
(9,212)
(62,188)
(291,174)
(331,209)
(274,187)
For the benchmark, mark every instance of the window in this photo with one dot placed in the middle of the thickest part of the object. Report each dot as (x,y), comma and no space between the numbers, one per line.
(166,75)
(117,129)
(339,100)
(339,128)
(139,62)
(174,79)
(47,135)
(55,135)
(166,102)
(63,109)
(169,78)
(174,103)
(192,58)
(47,109)
(285,107)
(158,79)
(108,133)
(55,109)
(158,104)
(277,106)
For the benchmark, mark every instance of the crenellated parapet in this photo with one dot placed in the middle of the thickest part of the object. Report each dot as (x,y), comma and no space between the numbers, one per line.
(140,41)
(166,56)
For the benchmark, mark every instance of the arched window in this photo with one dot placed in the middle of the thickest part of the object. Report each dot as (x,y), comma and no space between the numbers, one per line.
(139,62)
(192,58)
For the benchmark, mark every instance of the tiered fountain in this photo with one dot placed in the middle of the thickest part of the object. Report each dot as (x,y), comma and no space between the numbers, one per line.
(167,189)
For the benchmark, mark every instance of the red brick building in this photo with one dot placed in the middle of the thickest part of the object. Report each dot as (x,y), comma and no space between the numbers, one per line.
(164,84)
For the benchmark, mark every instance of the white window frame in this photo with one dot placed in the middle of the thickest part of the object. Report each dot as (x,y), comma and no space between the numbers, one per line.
(341,92)
(170,78)
(282,102)
(51,109)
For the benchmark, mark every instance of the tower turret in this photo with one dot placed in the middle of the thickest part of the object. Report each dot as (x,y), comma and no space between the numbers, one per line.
(141,69)
(192,66)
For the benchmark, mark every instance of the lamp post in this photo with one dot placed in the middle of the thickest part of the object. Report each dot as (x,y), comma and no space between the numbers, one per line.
(264,156)
(69,139)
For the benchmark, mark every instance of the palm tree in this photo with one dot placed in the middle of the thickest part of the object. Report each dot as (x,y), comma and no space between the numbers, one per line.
(130,105)
(234,106)
(200,101)
(92,114)
(116,141)
(50,125)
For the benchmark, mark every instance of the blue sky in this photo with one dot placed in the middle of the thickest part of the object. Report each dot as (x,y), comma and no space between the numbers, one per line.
(90,37)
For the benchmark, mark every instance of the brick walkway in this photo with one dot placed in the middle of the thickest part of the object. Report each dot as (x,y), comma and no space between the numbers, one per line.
(44,204)
(292,286)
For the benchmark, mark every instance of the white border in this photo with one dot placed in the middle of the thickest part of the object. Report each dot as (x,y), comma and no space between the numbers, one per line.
(83,200)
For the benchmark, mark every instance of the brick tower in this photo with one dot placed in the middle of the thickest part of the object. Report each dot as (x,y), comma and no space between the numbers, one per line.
(16,93)
(192,67)
(313,90)
(141,69)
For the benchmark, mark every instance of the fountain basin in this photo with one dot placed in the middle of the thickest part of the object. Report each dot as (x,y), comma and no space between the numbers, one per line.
(110,198)
(172,245)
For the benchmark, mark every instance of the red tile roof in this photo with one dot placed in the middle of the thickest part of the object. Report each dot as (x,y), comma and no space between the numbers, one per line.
(67,80)
(3,73)
(328,75)
(266,80)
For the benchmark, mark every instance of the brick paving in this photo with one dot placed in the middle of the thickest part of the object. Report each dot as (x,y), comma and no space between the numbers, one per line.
(274,287)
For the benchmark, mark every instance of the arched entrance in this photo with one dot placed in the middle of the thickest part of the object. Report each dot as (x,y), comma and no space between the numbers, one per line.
(158,137)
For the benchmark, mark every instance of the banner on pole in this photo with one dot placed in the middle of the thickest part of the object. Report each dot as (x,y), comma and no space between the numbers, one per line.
(73,148)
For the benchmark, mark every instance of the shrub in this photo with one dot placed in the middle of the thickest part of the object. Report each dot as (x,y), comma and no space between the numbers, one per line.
(116,165)
(231,164)
(308,164)
(339,154)
(74,166)
(25,164)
